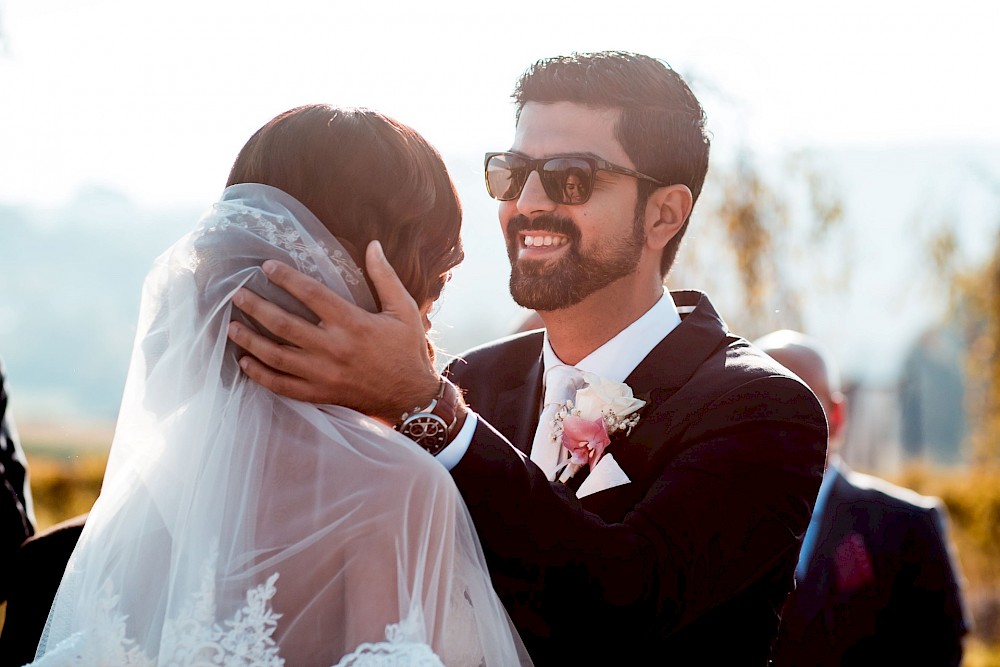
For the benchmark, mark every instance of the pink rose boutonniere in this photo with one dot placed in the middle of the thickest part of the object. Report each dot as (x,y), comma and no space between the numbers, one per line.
(585,439)
(585,424)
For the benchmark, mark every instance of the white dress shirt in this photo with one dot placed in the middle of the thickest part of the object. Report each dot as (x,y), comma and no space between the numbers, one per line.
(615,360)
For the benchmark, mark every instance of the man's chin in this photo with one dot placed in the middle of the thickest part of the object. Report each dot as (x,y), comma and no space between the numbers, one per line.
(533,293)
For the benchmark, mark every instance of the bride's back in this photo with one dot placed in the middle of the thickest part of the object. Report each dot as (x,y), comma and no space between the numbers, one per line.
(237,523)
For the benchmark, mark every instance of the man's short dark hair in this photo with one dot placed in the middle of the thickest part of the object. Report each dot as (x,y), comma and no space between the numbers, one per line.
(662,125)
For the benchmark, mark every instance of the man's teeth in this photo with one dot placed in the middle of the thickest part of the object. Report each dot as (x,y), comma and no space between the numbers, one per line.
(539,241)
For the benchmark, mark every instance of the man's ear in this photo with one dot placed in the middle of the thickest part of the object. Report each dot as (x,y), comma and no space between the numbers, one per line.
(837,417)
(666,210)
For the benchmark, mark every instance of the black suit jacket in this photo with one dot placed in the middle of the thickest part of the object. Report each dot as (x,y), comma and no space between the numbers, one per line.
(881,587)
(691,561)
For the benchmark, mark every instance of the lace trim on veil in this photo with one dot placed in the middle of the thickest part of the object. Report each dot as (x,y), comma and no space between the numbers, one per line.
(266,212)
(402,647)
(288,238)
(191,638)
(194,637)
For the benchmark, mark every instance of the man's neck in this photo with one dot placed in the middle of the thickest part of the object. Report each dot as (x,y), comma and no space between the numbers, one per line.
(577,331)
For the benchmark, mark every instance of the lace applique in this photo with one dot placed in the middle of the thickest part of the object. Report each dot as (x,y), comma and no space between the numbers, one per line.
(193,638)
(288,239)
(349,271)
(402,648)
(244,640)
(104,643)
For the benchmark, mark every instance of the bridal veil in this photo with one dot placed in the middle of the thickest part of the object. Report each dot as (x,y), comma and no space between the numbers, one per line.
(239,527)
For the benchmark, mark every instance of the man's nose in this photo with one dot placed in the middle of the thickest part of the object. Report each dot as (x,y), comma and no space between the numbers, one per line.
(533,199)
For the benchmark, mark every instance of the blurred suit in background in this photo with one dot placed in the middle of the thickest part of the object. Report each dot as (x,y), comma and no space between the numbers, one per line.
(877,582)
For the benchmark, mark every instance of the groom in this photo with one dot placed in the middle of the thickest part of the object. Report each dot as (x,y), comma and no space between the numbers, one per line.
(675,537)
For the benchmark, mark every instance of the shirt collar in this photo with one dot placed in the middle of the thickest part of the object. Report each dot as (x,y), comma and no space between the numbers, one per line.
(616,359)
(832,472)
(812,531)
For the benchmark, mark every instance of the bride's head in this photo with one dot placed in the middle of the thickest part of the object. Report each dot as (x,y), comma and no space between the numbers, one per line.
(366,177)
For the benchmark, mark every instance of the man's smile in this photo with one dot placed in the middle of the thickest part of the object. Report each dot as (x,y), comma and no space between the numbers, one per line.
(539,243)
(540,239)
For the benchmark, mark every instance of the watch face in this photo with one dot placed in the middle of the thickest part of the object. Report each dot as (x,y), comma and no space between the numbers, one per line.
(427,430)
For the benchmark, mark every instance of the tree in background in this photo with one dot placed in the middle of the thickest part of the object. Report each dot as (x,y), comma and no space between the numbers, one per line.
(974,294)
(977,294)
(767,242)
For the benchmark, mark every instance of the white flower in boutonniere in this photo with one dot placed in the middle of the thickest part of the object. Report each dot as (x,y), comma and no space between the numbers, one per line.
(584,425)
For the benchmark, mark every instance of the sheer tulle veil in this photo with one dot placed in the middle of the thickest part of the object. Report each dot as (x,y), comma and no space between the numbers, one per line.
(236,526)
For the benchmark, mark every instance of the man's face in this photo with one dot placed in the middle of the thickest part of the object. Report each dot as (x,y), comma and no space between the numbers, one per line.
(561,254)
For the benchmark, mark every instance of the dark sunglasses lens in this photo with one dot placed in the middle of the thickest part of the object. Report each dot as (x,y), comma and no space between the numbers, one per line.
(567,180)
(505,176)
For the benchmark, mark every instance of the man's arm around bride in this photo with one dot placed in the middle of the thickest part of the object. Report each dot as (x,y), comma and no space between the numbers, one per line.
(678,534)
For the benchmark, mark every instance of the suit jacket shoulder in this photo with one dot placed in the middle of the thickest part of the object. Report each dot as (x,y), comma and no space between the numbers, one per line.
(500,363)
(723,469)
(884,492)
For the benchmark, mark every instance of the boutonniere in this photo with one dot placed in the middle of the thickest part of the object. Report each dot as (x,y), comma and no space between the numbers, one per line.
(584,425)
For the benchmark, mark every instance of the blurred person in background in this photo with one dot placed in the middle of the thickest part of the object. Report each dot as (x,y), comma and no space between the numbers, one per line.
(17,524)
(876,582)
(17,520)
(39,564)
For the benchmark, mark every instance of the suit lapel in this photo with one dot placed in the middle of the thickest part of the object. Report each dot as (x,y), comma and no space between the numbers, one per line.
(676,358)
(667,368)
(817,585)
(516,413)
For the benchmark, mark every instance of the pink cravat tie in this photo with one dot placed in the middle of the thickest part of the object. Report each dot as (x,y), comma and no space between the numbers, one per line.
(561,383)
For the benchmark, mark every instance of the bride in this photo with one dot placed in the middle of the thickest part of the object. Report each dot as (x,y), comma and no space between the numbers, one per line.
(239,527)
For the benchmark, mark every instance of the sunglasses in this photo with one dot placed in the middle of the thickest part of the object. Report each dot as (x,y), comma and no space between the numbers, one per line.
(567,179)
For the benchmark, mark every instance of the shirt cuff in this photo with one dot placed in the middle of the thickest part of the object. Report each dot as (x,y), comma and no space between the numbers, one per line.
(453,453)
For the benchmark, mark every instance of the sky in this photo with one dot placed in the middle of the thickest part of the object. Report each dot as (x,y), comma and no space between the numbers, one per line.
(155,99)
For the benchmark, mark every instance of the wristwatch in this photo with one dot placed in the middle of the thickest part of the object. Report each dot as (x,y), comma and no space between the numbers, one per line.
(432,427)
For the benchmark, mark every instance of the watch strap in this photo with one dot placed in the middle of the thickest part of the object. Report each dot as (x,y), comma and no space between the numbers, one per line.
(433,426)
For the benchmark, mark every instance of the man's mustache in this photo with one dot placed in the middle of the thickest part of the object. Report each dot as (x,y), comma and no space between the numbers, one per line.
(543,223)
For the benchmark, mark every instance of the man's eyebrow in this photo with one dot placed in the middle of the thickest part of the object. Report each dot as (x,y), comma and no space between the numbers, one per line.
(559,155)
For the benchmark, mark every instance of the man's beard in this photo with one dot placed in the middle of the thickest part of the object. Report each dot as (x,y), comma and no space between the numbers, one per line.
(554,284)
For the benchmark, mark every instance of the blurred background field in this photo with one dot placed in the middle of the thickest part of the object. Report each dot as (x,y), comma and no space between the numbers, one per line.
(65,466)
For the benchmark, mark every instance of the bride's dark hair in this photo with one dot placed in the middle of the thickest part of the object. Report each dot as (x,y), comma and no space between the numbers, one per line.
(366,177)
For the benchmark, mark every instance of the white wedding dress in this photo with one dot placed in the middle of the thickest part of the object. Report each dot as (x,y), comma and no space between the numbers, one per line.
(238,527)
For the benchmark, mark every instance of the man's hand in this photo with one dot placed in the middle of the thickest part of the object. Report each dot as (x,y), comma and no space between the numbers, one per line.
(376,363)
